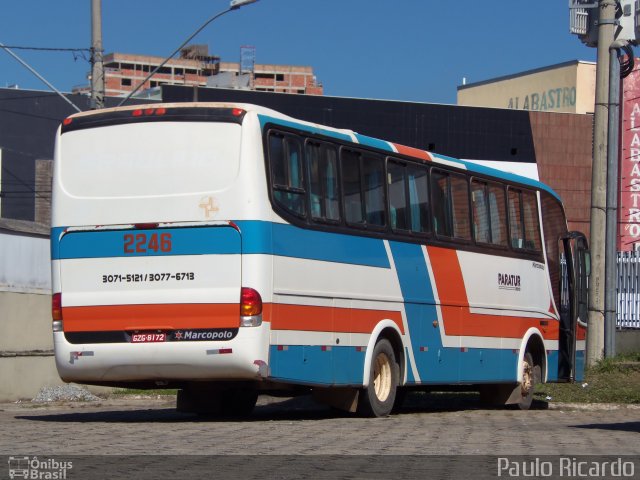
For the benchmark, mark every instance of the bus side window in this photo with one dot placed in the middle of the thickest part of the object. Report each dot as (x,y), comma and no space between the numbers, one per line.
(441,204)
(531,230)
(285,154)
(515,219)
(353,204)
(323,185)
(481,225)
(397,196)
(418,198)
(460,207)
(374,196)
(332,192)
(498,215)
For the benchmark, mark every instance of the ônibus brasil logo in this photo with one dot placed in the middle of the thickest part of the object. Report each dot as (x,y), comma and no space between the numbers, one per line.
(35,468)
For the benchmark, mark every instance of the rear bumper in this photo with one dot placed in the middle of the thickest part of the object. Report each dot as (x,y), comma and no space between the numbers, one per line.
(243,358)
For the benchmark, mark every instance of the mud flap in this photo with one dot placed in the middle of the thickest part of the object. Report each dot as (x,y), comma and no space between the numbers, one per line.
(342,398)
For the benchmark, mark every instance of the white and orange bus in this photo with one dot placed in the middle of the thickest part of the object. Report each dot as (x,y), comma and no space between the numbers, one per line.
(227,250)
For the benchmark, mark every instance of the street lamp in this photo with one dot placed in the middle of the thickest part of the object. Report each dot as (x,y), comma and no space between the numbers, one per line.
(233,5)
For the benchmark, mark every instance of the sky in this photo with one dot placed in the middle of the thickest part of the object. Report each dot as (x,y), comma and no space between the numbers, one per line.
(409,50)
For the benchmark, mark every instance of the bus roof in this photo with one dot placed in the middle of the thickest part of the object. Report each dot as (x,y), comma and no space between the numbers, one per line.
(269,116)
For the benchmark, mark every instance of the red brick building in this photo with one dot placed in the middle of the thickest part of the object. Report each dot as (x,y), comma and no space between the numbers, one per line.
(124,71)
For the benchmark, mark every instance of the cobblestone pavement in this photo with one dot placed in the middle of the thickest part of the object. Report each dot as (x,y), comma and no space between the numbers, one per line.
(142,426)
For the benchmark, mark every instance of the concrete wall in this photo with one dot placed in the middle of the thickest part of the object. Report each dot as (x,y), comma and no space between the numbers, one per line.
(627,341)
(26,346)
(26,342)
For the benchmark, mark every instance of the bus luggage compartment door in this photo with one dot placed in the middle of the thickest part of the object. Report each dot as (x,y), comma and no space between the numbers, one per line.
(168,280)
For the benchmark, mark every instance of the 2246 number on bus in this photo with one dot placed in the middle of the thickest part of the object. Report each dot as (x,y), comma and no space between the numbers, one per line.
(143,243)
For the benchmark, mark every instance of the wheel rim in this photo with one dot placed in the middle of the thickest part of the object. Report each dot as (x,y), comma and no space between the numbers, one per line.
(527,377)
(382,377)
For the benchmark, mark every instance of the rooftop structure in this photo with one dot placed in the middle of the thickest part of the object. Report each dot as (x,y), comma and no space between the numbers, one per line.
(195,66)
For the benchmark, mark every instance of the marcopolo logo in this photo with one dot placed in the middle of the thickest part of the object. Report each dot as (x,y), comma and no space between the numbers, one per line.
(41,469)
(204,334)
(507,281)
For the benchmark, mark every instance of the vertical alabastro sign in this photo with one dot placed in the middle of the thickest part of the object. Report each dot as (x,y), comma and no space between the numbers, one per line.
(629,202)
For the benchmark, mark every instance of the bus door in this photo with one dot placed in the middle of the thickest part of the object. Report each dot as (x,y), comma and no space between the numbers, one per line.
(573,304)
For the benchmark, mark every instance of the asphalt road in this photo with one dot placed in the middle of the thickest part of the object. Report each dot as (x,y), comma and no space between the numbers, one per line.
(298,428)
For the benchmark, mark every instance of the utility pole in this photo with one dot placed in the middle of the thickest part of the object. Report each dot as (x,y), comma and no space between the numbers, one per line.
(595,338)
(97,65)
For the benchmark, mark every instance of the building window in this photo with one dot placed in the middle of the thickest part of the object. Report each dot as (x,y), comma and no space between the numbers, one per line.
(125,82)
(264,76)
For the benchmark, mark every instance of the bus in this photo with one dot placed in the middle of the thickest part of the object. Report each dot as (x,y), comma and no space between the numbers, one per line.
(227,250)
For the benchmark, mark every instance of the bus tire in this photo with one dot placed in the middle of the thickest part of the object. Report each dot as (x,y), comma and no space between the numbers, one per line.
(378,398)
(529,380)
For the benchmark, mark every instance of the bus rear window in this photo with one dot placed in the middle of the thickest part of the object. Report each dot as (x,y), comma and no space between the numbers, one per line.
(149,159)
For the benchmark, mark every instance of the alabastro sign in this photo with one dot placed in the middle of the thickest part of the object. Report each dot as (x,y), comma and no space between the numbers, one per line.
(629,202)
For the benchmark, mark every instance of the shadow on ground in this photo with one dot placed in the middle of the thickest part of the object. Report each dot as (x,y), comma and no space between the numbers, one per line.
(273,409)
(620,427)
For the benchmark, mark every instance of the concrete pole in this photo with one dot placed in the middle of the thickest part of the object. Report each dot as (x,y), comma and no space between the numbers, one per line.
(595,336)
(611,234)
(97,65)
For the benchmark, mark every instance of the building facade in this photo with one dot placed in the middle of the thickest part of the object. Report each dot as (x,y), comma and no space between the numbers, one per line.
(562,88)
(123,72)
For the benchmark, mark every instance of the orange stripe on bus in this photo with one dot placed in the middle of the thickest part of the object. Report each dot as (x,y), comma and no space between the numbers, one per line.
(413,152)
(329,319)
(150,317)
(457,318)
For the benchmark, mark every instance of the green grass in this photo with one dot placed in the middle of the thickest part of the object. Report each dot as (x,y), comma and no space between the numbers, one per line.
(612,380)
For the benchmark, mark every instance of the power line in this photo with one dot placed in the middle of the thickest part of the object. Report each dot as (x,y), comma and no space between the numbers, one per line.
(48,49)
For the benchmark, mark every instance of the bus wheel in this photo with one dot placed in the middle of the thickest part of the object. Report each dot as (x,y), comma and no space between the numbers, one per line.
(378,398)
(528,381)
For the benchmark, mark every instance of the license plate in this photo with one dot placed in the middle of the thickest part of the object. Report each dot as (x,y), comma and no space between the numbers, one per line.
(148,337)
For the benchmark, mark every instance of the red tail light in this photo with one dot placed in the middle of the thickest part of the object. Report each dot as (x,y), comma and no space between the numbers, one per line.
(250,302)
(140,112)
(56,306)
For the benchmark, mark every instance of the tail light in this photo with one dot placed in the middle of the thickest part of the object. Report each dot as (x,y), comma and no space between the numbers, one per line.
(250,307)
(56,312)
(56,306)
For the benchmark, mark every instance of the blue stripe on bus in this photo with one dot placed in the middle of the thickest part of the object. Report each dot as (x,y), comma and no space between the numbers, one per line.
(258,237)
(291,241)
(580,364)
(265,119)
(435,363)
(373,142)
(183,241)
(312,365)
(552,365)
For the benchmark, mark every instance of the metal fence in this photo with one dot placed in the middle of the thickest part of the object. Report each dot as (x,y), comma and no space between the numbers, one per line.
(628,308)
(628,288)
